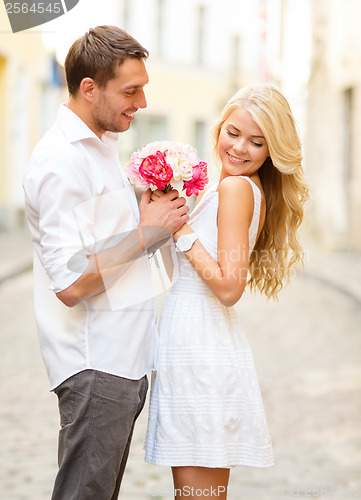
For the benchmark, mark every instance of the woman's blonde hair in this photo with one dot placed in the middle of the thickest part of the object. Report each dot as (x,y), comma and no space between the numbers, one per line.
(277,249)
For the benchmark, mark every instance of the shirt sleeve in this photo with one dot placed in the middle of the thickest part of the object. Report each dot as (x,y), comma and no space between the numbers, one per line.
(56,186)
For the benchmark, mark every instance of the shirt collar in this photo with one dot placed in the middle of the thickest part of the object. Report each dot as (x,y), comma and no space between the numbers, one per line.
(75,129)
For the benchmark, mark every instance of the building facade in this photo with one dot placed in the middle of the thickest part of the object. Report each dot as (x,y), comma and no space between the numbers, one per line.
(201,52)
(28,87)
(334,123)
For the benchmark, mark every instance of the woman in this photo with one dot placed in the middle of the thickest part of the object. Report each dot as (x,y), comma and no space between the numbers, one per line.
(206,411)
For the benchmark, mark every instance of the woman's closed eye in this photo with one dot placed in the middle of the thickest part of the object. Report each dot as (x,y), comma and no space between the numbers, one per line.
(232,134)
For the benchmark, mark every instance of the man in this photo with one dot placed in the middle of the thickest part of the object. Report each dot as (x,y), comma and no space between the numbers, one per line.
(93,295)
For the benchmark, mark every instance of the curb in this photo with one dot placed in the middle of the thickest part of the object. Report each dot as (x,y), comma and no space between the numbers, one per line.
(16,253)
(16,270)
(337,269)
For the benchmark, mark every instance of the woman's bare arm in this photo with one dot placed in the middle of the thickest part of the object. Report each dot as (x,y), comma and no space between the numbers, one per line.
(226,277)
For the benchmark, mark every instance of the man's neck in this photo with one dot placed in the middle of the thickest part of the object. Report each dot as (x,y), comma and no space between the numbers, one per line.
(83,113)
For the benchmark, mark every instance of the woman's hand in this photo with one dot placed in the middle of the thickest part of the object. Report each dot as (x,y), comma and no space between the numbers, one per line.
(185,229)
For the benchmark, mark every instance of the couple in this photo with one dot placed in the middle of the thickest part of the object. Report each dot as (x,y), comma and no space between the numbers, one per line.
(93,292)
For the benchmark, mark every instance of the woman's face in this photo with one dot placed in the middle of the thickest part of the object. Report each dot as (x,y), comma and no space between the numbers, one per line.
(242,147)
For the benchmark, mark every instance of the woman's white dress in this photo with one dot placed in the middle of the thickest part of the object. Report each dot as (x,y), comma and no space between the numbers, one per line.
(206,406)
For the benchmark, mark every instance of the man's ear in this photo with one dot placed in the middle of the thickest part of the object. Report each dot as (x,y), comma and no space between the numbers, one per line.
(86,88)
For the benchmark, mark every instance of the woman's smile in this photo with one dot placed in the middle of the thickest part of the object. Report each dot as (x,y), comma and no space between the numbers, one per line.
(236,160)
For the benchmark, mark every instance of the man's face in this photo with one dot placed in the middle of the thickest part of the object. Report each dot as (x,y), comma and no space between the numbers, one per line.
(115,104)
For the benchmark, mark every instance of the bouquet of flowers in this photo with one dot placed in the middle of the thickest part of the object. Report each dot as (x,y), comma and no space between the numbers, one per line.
(166,165)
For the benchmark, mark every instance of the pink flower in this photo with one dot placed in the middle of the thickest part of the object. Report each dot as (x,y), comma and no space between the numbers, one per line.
(198,181)
(167,165)
(133,171)
(155,170)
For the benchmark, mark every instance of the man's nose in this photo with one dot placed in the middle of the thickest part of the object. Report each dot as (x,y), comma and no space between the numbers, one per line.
(141,101)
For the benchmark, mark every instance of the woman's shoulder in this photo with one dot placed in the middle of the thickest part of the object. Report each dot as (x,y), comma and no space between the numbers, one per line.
(234,186)
(236,197)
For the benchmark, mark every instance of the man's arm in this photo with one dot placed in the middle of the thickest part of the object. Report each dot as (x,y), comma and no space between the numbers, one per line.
(158,220)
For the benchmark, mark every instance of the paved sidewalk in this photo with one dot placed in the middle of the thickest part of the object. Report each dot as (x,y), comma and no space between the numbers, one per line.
(307,350)
(339,269)
(15,252)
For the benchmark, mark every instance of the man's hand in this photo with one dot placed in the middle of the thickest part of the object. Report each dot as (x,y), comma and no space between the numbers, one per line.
(157,193)
(169,210)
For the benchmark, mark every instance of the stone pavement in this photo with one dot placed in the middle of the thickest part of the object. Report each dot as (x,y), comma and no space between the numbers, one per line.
(307,349)
(15,252)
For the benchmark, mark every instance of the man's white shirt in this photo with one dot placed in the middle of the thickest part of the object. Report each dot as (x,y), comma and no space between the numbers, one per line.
(78,201)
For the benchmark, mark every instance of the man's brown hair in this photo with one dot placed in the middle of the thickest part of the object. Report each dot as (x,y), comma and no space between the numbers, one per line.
(98,53)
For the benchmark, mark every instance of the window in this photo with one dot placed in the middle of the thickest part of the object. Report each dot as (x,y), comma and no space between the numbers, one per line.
(3,135)
(200,138)
(152,128)
(159,27)
(201,29)
(126,14)
(144,129)
(235,53)
(348,140)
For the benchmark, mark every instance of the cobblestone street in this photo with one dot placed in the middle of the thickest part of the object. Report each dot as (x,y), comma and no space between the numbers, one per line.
(307,349)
